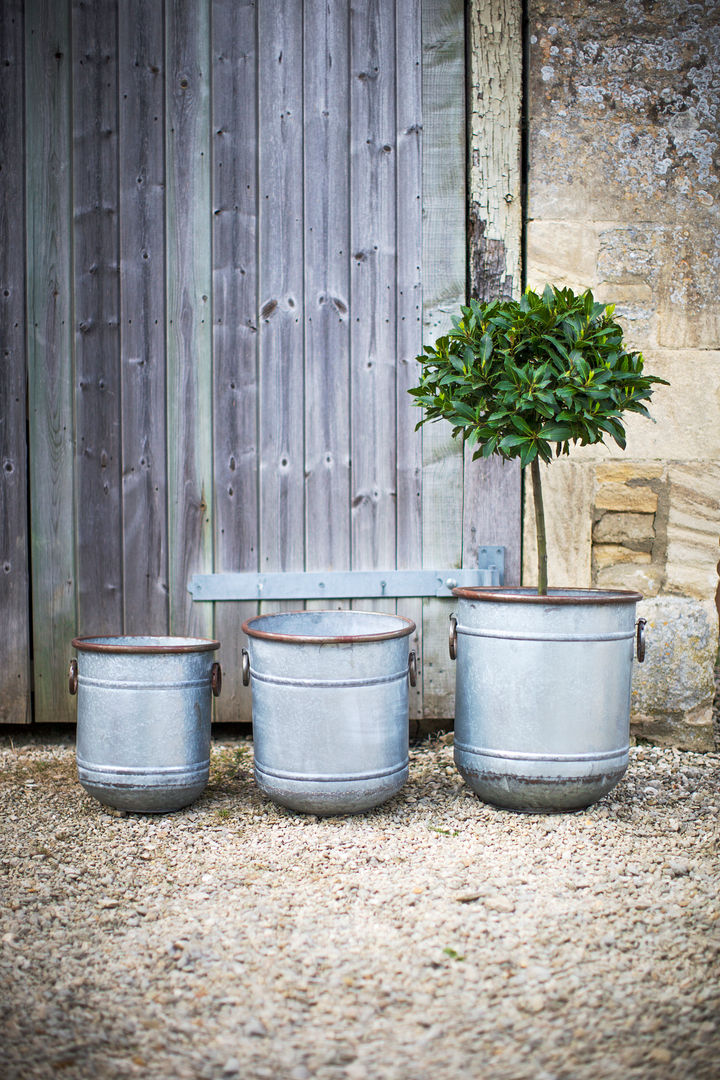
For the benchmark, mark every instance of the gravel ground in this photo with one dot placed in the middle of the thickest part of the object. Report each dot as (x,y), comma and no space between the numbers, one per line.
(430,939)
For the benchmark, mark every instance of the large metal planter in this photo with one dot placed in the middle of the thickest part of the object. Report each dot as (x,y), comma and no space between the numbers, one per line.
(144,717)
(330,707)
(542,713)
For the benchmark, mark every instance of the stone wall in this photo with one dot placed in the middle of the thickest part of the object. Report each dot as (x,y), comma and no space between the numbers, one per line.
(623,193)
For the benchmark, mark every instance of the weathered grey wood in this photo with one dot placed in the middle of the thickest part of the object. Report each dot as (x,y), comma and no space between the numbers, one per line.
(443,291)
(50,380)
(408,285)
(373,155)
(189,329)
(280,264)
(327,285)
(96,318)
(495,176)
(493,512)
(235,282)
(141,81)
(14,580)
(492,508)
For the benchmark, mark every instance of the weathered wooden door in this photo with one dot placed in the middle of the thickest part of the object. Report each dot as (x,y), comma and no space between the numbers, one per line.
(230,224)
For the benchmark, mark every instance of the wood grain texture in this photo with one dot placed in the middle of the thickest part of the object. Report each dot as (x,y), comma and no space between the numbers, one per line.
(327,285)
(14,570)
(492,505)
(235,324)
(189,329)
(281,287)
(495,174)
(444,171)
(373,157)
(408,305)
(141,145)
(96,318)
(50,351)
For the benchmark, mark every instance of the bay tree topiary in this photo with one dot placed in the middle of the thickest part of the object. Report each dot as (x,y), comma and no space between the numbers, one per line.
(526,378)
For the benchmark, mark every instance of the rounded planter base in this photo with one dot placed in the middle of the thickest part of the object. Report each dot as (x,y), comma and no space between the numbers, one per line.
(138,795)
(542,718)
(536,794)
(326,796)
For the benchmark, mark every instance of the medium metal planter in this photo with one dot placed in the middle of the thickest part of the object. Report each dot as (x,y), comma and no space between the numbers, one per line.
(330,707)
(143,720)
(542,711)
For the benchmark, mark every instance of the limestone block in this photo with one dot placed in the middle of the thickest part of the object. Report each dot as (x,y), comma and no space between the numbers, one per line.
(619,528)
(614,496)
(622,110)
(568,497)
(691,731)
(612,554)
(624,293)
(621,472)
(561,252)
(647,580)
(693,529)
(687,413)
(689,329)
(674,687)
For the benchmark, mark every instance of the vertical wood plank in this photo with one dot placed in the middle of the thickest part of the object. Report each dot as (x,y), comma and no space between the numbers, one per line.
(96,317)
(444,186)
(189,329)
(141,80)
(373,207)
(235,282)
(492,510)
(14,570)
(495,175)
(327,286)
(408,337)
(280,260)
(50,351)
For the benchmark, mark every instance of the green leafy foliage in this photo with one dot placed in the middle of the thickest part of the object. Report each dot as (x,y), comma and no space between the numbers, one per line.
(521,377)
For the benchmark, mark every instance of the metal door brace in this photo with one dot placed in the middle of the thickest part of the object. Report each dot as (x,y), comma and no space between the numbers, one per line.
(349,584)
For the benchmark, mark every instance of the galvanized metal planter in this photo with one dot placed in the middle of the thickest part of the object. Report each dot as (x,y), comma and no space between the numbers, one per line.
(143,720)
(542,712)
(330,707)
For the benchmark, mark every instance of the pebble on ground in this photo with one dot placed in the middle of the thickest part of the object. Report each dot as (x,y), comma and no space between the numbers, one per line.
(430,939)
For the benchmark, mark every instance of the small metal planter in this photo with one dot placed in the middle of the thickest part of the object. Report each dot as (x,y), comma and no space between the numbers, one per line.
(542,711)
(143,721)
(330,707)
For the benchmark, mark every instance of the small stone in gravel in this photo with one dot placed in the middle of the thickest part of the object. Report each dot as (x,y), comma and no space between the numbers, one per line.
(533,1004)
(255,1027)
(500,903)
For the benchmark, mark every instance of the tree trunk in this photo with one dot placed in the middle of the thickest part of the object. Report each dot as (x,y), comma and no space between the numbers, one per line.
(540,528)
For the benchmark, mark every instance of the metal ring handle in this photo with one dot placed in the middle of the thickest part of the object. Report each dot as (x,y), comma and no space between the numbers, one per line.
(245,667)
(412,668)
(452,644)
(640,642)
(73,677)
(216,679)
